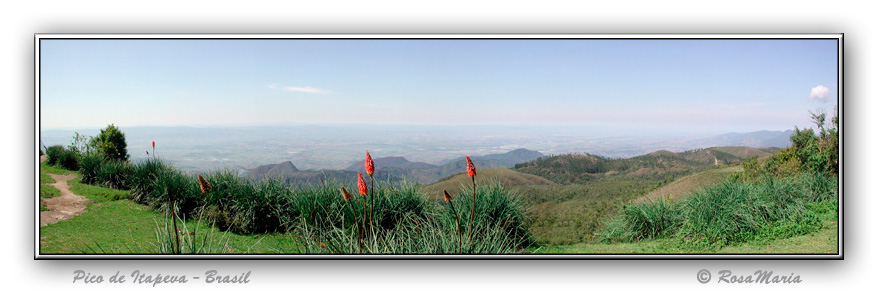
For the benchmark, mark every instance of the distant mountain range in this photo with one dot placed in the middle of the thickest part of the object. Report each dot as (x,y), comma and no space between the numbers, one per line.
(391,162)
(759,139)
(395,168)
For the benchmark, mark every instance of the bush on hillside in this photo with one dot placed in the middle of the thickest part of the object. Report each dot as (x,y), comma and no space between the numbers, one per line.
(61,157)
(111,143)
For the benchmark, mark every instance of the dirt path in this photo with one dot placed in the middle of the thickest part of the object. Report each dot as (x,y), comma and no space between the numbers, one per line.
(65,206)
(713,156)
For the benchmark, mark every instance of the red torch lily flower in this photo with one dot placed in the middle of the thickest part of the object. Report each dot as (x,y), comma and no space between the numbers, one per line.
(368,164)
(203,184)
(154,144)
(362,185)
(446,196)
(345,195)
(471,169)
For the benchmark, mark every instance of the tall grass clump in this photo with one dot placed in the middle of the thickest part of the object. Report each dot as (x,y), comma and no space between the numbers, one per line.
(497,211)
(413,236)
(170,240)
(176,192)
(734,212)
(265,209)
(724,214)
(819,187)
(643,221)
(323,207)
(405,222)
(115,174)
(89,165)
(143,178)
(229,201)
(731,212)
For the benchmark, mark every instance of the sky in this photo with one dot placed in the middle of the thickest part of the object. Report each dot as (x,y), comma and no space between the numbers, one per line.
(708,85)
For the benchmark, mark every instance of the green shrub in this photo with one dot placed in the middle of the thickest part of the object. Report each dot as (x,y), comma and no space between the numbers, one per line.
(111,143)
(53,153)
(61,157)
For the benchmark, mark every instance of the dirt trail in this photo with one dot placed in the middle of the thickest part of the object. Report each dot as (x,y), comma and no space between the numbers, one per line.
(713,156)
(65,206)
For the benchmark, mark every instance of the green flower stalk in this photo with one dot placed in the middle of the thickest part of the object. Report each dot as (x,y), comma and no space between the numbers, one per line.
(448,199)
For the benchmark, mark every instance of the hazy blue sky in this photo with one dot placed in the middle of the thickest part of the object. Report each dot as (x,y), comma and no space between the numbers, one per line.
(706,85)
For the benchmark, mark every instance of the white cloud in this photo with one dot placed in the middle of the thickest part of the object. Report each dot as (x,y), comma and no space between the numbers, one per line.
(306,89)
(821,94)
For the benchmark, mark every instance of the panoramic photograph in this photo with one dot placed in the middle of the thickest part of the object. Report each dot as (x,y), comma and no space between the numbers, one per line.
(452,147)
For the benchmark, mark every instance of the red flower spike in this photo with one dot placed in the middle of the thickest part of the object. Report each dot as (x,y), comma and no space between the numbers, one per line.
(204,185)
(345,195)
(471,169)
(368,164)
(154,144)
(362,185)
(446,196)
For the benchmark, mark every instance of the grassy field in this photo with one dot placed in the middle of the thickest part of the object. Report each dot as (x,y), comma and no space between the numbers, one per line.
(823,241)
(112,225)
(676,189)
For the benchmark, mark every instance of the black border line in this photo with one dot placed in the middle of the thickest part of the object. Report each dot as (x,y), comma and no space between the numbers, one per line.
(38,37)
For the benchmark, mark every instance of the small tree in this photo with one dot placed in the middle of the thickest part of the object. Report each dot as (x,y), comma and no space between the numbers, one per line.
(111,143)
(82,144)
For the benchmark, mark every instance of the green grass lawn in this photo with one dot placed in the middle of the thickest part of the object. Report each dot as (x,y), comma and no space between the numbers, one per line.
(46,188)
(112,225)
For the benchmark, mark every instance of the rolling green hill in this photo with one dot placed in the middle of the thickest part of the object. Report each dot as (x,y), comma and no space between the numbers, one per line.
(589,188)
(676,189)
(505,176)
(747,152)
(659,165)
(273,170)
